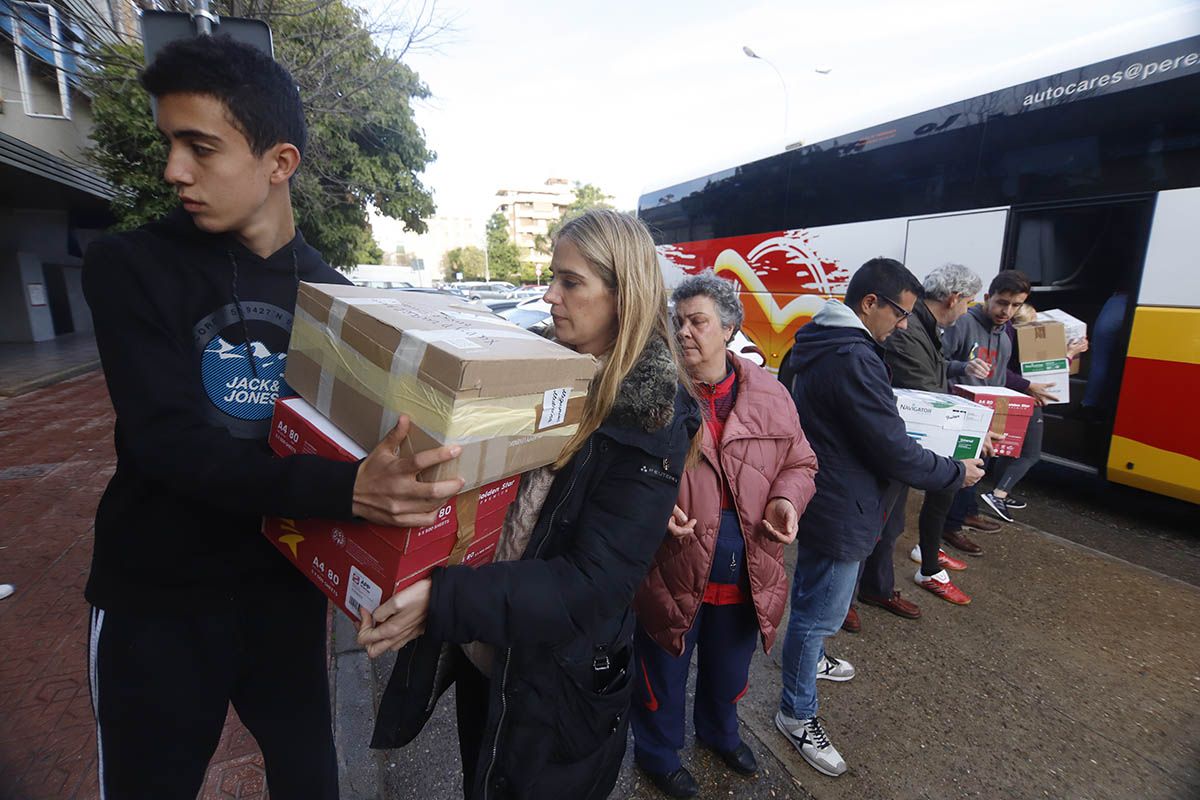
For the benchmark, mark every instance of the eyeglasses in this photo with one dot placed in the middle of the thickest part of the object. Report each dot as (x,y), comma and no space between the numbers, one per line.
(899,309)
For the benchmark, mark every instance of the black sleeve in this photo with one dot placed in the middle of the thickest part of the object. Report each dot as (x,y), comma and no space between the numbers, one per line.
(906,361)
(877,431)
(157,395)
(620,528)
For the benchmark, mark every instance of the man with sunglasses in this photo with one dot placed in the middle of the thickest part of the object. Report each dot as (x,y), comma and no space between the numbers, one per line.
(846,405)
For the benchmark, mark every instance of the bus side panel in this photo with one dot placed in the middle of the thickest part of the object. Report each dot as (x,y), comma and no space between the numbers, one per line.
(784,277)
(1156,436)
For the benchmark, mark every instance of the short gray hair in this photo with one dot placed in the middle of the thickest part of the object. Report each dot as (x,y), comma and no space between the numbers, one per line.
(949,279)
(723,293)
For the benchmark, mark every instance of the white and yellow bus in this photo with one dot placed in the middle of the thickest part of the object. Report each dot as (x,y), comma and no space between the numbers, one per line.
(1088,181)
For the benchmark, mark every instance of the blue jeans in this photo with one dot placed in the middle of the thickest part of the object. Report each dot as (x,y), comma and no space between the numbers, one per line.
(822,588)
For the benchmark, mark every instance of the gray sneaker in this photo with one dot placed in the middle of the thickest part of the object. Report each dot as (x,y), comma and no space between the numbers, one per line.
(808,736)
(834,669)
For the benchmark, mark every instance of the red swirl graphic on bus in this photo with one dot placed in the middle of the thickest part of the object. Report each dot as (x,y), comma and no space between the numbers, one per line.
(782,278)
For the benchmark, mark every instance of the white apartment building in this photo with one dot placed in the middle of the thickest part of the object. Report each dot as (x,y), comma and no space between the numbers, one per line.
(530,211)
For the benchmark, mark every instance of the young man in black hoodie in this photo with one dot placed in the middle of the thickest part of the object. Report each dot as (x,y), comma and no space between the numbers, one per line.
(192,608)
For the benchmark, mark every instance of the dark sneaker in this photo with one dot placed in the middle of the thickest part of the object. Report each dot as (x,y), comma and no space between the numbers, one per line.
(998,505)
(1015,503)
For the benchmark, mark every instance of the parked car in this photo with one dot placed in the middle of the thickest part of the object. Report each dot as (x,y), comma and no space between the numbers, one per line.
(485,290)
(532,315)
(443,291)
(527,292)
(498,306)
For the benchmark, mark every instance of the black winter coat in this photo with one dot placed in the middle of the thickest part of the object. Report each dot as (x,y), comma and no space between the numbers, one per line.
(914,355)
(846,405)
(560,618)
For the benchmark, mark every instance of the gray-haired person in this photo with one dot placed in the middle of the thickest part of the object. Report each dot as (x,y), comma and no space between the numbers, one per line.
(916,361)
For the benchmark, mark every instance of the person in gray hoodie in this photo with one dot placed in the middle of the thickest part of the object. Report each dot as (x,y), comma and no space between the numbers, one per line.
(980,334)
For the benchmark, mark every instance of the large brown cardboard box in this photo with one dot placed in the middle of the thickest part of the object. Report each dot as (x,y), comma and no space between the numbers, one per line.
(1042,352)
(510,398)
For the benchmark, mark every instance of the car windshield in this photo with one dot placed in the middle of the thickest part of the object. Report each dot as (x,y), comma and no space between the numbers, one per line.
(525,317)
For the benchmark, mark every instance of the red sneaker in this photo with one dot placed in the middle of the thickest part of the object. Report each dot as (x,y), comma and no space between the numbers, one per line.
(944,561)
(947,591)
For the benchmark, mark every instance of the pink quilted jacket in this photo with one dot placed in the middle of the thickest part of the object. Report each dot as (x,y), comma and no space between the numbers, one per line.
(763,454)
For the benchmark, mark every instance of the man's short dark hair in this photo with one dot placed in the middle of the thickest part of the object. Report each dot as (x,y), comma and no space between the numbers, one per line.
(1011,281)
(261,96)
(881,276)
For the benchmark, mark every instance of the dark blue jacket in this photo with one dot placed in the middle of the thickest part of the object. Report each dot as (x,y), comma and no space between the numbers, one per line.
(848,411)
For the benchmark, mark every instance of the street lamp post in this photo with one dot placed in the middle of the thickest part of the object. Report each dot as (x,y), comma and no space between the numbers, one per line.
(746,49)
(820,71)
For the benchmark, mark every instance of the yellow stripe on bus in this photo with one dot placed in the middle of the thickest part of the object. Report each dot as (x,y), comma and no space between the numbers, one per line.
(1166,334)
(1154,470)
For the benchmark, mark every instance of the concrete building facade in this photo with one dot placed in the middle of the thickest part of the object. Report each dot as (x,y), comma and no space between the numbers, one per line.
(531,211)
(51,203)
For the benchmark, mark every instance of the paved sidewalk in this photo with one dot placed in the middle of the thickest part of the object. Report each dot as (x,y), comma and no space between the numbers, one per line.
(1073,674)
(28,366)
(56,457)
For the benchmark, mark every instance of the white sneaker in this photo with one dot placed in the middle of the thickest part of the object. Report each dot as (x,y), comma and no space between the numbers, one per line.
(834,669)
(5,590)
(808,736)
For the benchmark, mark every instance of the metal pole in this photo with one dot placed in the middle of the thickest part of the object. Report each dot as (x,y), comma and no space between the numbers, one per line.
(204,18)
(746,49)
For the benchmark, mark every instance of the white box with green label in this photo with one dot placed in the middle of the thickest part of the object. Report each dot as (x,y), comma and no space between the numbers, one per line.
(944,423)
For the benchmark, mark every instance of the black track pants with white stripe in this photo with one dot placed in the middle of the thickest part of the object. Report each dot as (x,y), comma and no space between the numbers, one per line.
(162,681)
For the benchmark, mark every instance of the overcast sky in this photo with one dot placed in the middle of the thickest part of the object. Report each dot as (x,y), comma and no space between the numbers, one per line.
(635,95)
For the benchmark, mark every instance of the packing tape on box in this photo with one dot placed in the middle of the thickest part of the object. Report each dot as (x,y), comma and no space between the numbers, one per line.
(468,519)
(398,392)
(325,382)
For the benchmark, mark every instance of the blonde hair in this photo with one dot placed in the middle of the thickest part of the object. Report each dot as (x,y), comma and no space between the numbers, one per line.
(1026,313)
(621,251)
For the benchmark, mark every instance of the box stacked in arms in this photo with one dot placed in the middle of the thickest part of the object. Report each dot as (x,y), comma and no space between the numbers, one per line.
(359,358)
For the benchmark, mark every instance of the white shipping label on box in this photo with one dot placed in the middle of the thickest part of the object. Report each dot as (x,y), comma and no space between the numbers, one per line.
(362,593)
(554,407)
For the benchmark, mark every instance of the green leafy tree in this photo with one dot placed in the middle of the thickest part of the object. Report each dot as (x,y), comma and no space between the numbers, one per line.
(587,195)
(364,150)
(467,260)
(504,257)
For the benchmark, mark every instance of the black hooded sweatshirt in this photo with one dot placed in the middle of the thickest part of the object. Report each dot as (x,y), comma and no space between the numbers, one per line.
(193,330)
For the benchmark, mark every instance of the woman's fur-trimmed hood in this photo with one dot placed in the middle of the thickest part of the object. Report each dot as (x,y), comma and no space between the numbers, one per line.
(646,399)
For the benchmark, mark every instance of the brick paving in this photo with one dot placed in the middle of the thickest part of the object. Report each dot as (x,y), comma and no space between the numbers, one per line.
(56,457)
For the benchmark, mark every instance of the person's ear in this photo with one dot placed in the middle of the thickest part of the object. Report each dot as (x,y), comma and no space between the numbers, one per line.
(285,160)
